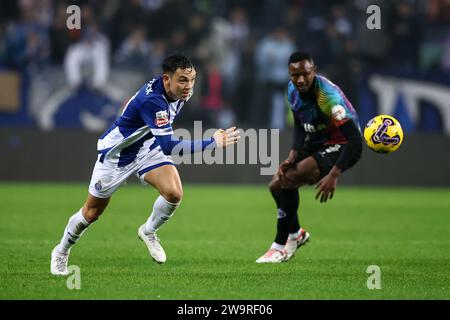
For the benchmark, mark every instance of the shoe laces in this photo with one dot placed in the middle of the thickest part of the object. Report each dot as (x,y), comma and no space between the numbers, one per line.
(301,235)
(61,260)
(271,252)
(154,238)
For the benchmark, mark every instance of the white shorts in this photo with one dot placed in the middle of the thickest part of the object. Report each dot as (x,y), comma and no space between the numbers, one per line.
(107,177)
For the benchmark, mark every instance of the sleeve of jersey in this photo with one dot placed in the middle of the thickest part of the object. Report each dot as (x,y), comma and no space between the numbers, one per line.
(352,149)
(292,97)
(299,135)
(155,115)
(171,146)
(332,103)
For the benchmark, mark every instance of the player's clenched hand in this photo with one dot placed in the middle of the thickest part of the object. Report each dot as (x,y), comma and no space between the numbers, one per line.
(288,163)
(326,187)
(284,166)
(227,137)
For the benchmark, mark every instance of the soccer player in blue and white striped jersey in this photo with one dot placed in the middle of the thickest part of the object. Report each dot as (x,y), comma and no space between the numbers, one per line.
(140,142)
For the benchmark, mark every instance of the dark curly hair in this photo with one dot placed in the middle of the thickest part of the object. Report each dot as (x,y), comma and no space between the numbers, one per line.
(176,61)
(299,56)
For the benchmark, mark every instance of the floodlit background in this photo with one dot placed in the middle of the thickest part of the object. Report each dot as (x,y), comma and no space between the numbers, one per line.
(67,86)
(239,47)
(60,89)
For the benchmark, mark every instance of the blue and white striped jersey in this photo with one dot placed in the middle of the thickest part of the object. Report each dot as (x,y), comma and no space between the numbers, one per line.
(148,113)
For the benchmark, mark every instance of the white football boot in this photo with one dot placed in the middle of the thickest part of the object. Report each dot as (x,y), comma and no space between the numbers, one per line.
(58,263)
(293,244)
(153,244)
(273,256)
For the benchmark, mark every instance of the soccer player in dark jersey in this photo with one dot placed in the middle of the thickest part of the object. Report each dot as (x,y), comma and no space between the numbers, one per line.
(327,141)
(140,143)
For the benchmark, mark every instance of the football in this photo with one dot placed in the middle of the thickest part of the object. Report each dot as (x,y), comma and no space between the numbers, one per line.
(383,134)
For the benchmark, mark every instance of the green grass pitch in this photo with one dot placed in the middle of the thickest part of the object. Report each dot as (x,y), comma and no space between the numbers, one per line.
(215,237)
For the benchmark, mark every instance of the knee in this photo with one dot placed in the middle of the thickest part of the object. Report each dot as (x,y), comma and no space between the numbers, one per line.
(274,186)
(173,195)
(92,214)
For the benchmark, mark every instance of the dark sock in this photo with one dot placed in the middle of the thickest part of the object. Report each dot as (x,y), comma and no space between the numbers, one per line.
(276,196)
(287,212)
(295,225)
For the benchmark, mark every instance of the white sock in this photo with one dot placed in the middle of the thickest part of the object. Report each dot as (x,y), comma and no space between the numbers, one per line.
(162,211)
(74,229)
(277,246)
(294,236)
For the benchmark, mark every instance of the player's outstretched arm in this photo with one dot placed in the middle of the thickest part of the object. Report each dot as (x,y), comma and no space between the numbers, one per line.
(348,157)
(221,139)
(224,138)
(298,144)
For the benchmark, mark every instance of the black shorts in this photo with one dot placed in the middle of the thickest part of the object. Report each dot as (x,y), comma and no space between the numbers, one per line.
(325,156)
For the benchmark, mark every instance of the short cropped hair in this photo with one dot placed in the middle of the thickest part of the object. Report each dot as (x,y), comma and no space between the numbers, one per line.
(176,61)
(299,56)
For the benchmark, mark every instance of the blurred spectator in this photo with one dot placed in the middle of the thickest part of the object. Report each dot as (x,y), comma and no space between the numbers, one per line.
(217,49)
(446,55)
(213,107)
(128,15)
(177,41)
(273,14)
(271,56)
(27,40)
(216,45)
(373,45)
(246,86)
(156,57)
(197,30)
(239,36)
(3,54)
(87,61)
(135,50)
(60,36)
(240,30)
(240,44)
(438,11)
(152,5)
(341,20)
(41,10)
(404,31)
(435,32)
(212,93)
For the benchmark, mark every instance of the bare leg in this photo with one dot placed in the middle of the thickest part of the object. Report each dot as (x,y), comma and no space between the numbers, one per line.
(167,181)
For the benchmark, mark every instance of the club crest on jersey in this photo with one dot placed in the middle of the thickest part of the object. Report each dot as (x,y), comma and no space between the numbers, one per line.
(338,113)
(98,185)
(162,118)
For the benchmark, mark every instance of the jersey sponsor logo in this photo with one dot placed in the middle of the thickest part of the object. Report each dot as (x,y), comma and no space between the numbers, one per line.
(309,127)
(312,128)
(330,149)
(338,113)
(149,87)
(162,118)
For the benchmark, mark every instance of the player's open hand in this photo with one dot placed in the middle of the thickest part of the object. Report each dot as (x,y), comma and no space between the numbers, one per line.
(226,137)
(326,187)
